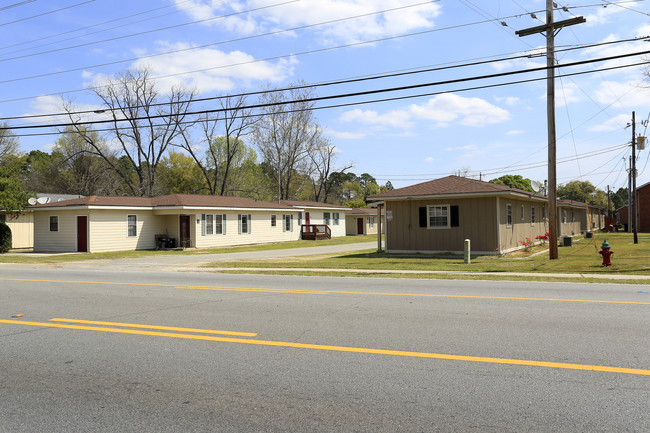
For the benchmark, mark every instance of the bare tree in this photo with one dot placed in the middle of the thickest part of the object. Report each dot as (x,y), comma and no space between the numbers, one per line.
(144,123)
(223,134)
(323,157)
(286,135)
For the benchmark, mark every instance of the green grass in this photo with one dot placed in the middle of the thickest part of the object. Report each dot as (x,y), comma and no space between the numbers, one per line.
(27,257)
(581,258)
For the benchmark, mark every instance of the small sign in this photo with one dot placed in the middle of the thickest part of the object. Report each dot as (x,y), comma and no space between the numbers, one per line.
(389,215)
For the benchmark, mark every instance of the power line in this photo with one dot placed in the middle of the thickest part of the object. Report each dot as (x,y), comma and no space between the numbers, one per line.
(304,100)
(147,32)
(46,13)
(347,81)
(22,3)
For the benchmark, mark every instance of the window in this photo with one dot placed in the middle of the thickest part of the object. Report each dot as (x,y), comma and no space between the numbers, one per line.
(438,216)
(326,218)
(131,225)
(54,223)
(209,224)
(522,212)
(299,218)
(273,220)
(543,213)
(508,215)
(564,217)
(287,223)
(371,222)
(532,216)
(220,224)
(244,223)
(335,216)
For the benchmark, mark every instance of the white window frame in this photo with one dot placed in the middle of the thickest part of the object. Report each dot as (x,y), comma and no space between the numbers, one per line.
(209,224)
(287,223)
(371,222)
(447,216)
(248,221)
(523,213)
(55,219)
(326,218)
(564,216)
(508,215)
(220,224)
(335,218)
(133,225)
(274,220)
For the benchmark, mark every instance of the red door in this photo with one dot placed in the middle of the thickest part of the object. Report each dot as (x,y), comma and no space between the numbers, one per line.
(82,234)
(359,226)
(307,221)
(185,231)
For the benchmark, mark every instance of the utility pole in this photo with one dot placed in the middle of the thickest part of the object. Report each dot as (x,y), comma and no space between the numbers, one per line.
(551,28)
(633,171)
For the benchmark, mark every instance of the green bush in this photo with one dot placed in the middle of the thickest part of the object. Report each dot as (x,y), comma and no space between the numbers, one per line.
(5,238)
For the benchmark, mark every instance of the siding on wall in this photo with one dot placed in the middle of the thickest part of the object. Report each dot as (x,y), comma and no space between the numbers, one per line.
(22,230)
(477,222)
(108,230)
(65,240)
(512,237)
(261,230)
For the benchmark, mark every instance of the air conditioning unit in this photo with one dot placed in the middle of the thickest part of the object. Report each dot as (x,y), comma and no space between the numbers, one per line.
(567,241)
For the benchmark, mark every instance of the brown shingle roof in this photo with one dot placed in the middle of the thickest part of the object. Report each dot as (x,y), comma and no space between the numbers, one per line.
(450,185)
(300,203)
(193,200)
(361,211)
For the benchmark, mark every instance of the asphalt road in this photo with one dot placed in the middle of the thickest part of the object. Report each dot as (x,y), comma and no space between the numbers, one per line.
(318,354)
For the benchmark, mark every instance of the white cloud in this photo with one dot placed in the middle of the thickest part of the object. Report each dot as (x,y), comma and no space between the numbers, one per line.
(219,71)
(55,104)
(515,132)
(617,123)
(397,118)
(508,100)
(401,19)
(346,135)
(430,159)
(449,107)
(443,109)
(623,94)
(466,147)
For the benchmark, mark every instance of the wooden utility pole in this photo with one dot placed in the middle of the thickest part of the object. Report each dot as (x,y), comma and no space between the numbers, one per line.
(551,28)
(632,209)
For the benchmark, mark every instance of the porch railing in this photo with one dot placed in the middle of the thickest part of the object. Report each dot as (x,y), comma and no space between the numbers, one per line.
(315,231)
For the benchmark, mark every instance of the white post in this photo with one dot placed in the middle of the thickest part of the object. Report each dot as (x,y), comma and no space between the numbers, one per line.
(467,252)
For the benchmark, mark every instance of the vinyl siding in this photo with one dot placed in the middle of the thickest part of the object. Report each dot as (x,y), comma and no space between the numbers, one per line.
(107,230)
(260,225)
(22,230)
(512,237)
(477,222)
(65,240)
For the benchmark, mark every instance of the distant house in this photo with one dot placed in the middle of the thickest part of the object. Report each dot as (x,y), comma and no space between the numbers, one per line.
(437,216)
(315,213)
(96,223)
(362,221)
(643,194)
(22,224)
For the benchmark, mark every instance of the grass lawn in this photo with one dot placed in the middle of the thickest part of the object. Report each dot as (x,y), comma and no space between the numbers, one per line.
(28,257)
(581,258)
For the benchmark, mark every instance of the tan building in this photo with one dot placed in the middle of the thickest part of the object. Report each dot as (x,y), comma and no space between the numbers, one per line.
(437,216)
(362,221)
(95,224)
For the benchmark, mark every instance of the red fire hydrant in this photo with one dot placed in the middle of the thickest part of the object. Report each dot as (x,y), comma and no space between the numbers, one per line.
(606,253)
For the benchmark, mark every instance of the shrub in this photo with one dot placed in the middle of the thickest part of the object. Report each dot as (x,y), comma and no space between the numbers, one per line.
(5,238)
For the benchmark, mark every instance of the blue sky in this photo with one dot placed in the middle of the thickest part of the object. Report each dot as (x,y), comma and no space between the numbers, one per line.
(53,49)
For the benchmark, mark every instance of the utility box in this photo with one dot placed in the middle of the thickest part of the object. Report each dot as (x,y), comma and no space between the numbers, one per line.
(589,235)
(567,241)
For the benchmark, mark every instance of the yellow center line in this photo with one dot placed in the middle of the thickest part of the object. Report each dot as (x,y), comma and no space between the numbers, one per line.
(598,368)
(163,328)
(327,292)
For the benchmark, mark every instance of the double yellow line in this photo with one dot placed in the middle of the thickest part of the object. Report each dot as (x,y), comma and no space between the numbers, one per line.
(202,334)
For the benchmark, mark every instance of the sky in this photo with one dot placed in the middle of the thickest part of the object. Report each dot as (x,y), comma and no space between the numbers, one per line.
(441,117)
